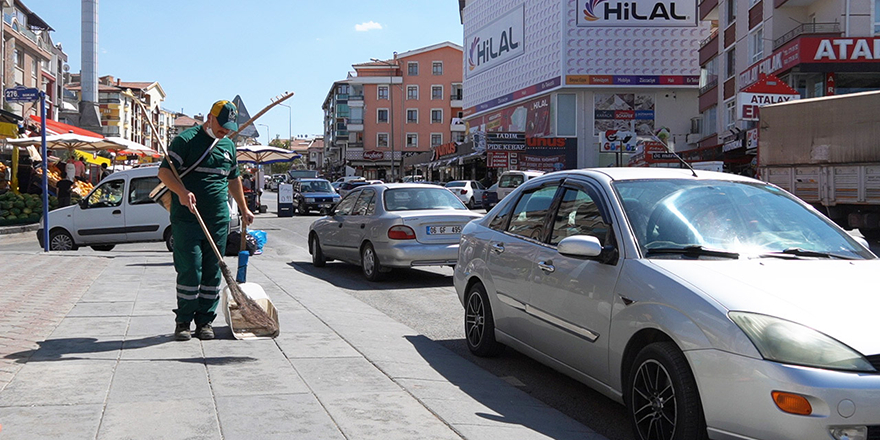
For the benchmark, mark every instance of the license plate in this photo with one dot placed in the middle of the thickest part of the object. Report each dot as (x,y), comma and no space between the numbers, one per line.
(442,230)
(324,205)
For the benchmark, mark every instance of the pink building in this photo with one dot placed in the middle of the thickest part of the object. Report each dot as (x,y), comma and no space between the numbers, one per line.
(394,108)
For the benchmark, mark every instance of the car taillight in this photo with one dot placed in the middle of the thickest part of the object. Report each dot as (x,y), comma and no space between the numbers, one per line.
(464,191)
(401,232)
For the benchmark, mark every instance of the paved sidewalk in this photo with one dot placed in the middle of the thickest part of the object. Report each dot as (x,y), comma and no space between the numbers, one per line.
(86,353)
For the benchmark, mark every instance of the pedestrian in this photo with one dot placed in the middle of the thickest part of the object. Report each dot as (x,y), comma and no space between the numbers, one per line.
(62,188)
(104,171)
(79,168)
(215,174)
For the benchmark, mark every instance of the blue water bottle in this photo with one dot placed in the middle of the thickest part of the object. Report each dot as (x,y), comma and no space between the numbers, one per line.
(241,276)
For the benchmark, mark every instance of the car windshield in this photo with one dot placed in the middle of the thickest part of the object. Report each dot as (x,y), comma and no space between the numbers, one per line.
(677,218)
(410,199)
(454,184)
(317,186)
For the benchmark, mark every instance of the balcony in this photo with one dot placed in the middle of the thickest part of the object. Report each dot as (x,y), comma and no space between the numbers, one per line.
(455,100)
(807,29)
(355,100)
(711,84)
(355,125)
(457,125)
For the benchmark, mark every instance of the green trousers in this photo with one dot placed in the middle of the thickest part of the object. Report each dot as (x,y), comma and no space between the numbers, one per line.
(198,271)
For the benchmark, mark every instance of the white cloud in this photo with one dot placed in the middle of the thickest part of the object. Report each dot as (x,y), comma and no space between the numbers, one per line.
(368,26)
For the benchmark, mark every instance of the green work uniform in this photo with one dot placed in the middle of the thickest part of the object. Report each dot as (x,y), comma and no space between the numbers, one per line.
(198,271)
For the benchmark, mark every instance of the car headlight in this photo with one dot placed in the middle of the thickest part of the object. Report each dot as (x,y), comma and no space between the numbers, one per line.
(791,343)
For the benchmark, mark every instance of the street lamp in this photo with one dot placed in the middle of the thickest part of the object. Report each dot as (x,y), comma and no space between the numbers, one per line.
(268,137)
(289,125)
(391,111)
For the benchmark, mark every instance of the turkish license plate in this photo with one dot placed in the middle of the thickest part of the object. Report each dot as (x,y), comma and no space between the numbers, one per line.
(442,230)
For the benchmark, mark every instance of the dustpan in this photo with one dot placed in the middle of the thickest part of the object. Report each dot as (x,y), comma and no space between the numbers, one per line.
(241,329)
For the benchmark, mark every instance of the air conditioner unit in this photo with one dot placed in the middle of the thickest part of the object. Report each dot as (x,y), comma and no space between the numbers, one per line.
(696,125)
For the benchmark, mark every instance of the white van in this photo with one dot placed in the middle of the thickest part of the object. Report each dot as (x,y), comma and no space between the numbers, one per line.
(119,210)
(509,180)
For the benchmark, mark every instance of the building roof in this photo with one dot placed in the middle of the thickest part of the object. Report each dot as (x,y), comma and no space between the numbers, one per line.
(186,121)
(431,48)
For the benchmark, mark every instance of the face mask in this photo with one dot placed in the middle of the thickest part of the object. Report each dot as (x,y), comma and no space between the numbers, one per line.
(209,131)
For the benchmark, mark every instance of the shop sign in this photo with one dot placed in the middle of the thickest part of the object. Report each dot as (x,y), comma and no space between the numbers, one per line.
(732,145)
(641,13)
(655,152)
(446,149)
(373,155)
(505,141)
(824,50)
(752,139)
(618,140)
(768,90)
(497,42)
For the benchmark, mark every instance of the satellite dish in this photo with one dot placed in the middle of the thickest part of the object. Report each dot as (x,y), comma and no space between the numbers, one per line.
(65,68)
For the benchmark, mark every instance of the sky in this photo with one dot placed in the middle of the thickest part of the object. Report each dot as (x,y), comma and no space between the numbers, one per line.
(201,51)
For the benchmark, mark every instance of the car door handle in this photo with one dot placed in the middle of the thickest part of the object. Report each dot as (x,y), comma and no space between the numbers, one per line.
(340,224)
(117,211)
(547,267)
(498,248)
(363,225)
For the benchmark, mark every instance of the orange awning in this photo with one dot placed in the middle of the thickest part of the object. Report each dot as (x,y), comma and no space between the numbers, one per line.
(56,127)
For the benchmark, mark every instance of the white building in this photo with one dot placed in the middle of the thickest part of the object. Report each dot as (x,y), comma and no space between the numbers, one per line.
(556,75)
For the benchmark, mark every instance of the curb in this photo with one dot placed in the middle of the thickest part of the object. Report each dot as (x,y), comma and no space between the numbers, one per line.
(19,229)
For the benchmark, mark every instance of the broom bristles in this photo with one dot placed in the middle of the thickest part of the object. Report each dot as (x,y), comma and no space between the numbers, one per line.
(251,311)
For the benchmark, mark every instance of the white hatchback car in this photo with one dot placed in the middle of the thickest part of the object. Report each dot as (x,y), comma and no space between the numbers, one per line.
(710,304)
(118,210)
(470,192)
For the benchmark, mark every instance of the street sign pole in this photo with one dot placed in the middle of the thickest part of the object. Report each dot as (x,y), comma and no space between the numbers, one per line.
(45,172)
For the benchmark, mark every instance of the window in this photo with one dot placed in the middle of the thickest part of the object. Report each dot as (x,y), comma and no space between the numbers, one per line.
(18,58)
(436,116)
(139,193)
(437,68)
(456,91)
(412,140)
(412,68)
(756,44)
(730,114)
(710,120)
(731,12)
(527,217)
(34,69)
(382,115)
(365,204)
(709,73)
(345,205)
(382,140)
(730,58)
(382,92)
(578,214)
(109,194)
(566,116)
(436,139)
(876,17)
(436,92)
(412,92)
(412,115)
(458,136)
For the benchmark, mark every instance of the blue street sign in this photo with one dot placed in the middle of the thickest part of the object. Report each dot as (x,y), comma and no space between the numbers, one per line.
(22,94)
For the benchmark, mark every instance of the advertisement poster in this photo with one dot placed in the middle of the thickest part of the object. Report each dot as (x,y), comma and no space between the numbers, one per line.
(530,117)
(626,112)
(542,154)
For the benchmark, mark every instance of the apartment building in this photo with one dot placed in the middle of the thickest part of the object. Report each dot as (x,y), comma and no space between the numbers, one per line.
(29,58)
(387,110)
(810,48)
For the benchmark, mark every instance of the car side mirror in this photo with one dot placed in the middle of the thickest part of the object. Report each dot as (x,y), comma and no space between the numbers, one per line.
(587,246)
(84,203)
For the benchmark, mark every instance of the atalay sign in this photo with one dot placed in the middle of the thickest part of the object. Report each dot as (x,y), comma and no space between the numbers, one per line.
(641,13)
(496,43)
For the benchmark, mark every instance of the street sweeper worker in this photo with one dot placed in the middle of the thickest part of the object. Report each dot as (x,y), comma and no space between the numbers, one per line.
(213,176)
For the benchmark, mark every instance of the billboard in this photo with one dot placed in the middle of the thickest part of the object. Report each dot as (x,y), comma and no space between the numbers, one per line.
(640,13)
(496,43)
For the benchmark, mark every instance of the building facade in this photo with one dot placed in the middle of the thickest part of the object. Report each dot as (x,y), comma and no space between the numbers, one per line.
(816,47)
(560,84)
(387,110)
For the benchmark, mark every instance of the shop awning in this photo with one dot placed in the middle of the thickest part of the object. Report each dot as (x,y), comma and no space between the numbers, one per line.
(56,127)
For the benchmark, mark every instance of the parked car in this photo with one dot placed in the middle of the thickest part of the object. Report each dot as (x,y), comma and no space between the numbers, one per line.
(118,210)
(313,194)
(392,225)
(509,180)
(470,192)
(276,180)
(346,187)
(490,197)
(702,301)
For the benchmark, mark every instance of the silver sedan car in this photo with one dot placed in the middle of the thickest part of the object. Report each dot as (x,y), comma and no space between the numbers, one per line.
(383,226)
(711,305)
